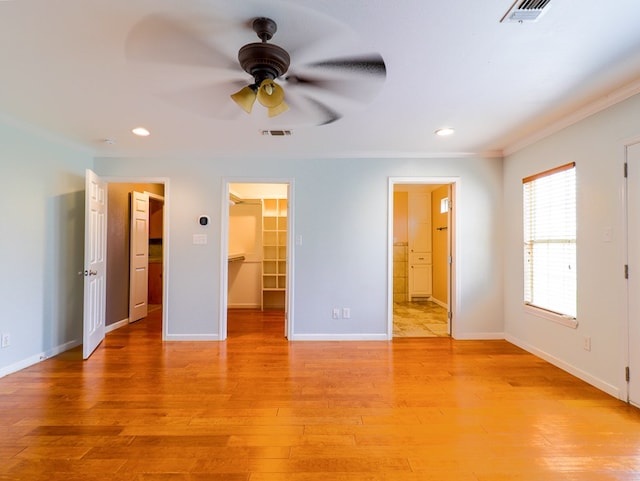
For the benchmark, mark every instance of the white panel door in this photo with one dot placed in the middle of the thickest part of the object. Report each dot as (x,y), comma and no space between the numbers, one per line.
(633,227)
(139,257)
(95,263)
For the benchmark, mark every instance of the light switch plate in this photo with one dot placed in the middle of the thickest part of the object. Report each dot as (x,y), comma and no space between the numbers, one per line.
(199,239)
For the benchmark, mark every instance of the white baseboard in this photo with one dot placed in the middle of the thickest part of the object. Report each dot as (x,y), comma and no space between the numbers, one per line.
(243,306)
(116,325)
(30,361)
(440,303)
(192,337)
(478,336)
(338,337)
(574,371)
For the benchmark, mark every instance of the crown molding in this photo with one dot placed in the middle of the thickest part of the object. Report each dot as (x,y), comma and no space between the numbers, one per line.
(592,108)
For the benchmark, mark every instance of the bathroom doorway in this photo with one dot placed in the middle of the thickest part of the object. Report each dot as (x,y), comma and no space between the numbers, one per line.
(421,253)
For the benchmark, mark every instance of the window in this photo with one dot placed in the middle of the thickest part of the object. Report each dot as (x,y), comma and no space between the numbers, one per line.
(549,200)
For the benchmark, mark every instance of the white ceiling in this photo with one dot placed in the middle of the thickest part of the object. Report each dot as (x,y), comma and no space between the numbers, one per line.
(67,67)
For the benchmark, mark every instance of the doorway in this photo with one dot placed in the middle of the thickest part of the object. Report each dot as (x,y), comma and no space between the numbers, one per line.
(421,257)
(118,299)
(256,254)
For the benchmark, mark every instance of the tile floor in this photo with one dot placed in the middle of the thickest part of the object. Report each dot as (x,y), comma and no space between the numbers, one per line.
(419,319)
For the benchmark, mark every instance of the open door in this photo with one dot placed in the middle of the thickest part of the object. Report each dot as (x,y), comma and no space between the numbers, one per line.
(139,258)
(633,283)
(95,256)
(421,256)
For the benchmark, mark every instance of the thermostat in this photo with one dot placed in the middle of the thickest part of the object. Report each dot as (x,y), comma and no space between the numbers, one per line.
(204,220)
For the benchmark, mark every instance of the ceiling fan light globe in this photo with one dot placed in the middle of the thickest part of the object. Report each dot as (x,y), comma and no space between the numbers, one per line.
(280,109)
(273,99)
(245,98)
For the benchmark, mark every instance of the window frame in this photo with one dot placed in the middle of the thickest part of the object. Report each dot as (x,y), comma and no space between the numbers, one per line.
(530,308)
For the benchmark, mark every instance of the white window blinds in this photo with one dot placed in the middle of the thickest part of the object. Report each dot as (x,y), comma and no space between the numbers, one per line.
(549,200)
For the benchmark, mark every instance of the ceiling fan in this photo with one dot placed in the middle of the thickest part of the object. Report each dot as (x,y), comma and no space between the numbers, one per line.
(265,62)
(318,86)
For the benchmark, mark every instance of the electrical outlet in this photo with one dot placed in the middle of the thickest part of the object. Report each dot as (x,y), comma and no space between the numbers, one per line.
(346,313)
(6,339)
(335,313)
(586,343)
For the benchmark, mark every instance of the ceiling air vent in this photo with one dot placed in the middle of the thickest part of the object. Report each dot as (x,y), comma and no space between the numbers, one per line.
(277,133)
(526,11)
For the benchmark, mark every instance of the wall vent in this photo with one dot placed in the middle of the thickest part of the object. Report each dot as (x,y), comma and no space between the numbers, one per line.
(277,133)
(526,11)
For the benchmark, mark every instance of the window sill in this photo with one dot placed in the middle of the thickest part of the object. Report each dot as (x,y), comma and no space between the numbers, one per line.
(552,316)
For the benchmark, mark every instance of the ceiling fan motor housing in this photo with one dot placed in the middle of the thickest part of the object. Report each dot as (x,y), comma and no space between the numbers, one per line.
(264,60)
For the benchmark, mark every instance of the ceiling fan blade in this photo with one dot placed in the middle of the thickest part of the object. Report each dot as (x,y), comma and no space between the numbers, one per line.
(372,64)
(211,101)
(315,111)
(161,39)
(353,89)
(329,114)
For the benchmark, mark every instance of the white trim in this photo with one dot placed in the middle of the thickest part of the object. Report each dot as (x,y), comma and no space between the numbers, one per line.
(224,249)
(579,373)
(243,306)
(155,196)
(223,293)
(116,325)
(588,110)
(454,195)
(338,155)
(166,238)
(571,322)
(444,305)
(339,337)
(192,337)
(478,336)
(35,359)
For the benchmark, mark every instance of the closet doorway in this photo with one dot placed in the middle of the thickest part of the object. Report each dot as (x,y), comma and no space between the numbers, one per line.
(256,239)
(421,254)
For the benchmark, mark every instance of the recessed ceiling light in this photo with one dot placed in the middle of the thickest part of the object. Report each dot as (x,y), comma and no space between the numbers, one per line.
(445,131)
(141,131)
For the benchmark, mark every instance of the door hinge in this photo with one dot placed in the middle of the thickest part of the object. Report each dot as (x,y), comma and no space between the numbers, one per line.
(626,271)
(450,260)
(627,375)
(626,170)
(449,315)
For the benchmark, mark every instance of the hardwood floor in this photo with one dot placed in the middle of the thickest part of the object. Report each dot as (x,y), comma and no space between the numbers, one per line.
(260,408)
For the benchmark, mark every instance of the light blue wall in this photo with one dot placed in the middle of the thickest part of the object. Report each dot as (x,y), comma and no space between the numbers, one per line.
(41,246)
(596,145)
(340,209)
(341,212)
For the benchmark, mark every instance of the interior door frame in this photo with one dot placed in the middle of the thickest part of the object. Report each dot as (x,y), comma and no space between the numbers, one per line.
(224,250)
(165,236)
(454,220)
